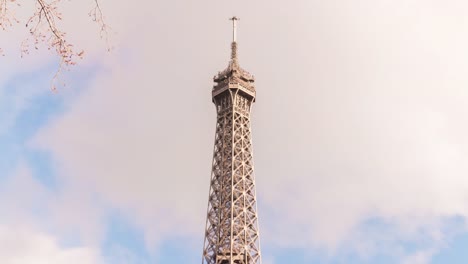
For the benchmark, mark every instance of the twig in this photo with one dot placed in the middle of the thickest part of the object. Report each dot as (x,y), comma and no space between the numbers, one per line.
(43,29)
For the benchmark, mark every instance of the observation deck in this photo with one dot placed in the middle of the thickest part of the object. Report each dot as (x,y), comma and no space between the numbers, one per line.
(234,77)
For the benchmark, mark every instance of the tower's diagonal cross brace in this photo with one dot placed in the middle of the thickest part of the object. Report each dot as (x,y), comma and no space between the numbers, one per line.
(231,234)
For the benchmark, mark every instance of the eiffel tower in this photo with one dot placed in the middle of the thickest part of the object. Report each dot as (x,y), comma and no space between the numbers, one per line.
(231,234)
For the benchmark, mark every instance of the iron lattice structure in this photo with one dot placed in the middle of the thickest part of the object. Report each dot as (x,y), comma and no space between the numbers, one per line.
(231,234)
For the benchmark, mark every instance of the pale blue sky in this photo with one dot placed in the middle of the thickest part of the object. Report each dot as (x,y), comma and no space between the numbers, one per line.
(359,131)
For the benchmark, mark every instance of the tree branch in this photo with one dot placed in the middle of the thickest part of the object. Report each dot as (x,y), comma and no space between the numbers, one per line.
(43,29)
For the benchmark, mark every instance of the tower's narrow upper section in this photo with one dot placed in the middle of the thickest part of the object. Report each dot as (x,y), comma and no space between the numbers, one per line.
(234,77)
(234,38)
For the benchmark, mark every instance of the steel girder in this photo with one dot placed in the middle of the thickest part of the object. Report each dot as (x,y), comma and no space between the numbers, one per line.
(231,234)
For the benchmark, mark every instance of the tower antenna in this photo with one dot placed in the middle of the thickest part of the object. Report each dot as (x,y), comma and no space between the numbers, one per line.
(234,28)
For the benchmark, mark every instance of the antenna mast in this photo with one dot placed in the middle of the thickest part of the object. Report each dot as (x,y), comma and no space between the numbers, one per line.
(234,28)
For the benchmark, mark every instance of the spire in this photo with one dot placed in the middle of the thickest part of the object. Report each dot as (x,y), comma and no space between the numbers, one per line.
(234,27)
(234,74)
(234,38)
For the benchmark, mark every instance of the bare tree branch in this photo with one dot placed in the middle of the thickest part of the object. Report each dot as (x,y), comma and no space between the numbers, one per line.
(98,17)
(43,29)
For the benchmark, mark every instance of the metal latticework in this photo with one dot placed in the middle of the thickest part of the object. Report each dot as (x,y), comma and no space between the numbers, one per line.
(231,235)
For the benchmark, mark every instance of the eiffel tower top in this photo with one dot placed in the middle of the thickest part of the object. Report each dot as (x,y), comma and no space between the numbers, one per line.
(234,74)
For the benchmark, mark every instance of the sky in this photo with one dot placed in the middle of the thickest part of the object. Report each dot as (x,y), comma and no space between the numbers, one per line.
(360,132)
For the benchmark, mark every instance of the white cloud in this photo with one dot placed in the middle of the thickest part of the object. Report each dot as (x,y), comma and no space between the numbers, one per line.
(19,245)
(421,257)
(361,116)
(20,195)
(24,204)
